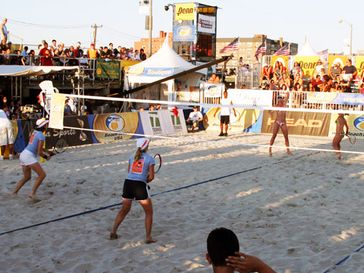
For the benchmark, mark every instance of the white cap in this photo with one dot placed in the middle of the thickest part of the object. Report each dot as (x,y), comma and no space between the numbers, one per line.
(142,143)
(41,122)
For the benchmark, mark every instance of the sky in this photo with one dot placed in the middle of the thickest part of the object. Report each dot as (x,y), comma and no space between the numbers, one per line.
(32,21)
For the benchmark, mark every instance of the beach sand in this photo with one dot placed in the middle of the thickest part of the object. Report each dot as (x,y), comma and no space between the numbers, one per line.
(300,213)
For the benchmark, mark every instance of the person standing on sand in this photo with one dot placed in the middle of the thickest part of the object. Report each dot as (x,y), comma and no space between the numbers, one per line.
(224,114)
(29,158)
(339,134)
(280,122)
(140,172)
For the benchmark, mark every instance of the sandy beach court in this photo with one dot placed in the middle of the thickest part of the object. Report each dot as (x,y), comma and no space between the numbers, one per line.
(299,213)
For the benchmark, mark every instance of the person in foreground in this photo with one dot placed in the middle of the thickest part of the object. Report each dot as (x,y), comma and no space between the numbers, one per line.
(140,172)
(29,158)
(224,256)
(280,122)
(339,134)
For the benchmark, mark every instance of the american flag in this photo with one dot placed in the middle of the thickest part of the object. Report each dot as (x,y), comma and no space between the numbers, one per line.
(234,45)
(261,50)
(284,50)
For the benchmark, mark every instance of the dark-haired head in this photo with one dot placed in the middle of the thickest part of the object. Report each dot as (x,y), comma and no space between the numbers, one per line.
(221,243)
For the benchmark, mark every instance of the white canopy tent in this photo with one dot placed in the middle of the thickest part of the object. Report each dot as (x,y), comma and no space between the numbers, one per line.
(22,70)
(307,50)
(164,63)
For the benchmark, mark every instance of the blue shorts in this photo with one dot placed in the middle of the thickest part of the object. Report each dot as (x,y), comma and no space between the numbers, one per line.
(135,190)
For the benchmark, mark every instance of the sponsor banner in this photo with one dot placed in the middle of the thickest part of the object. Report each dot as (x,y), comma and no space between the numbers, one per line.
(108,69)
(184,11)
(57,111)
(282,59)
(184,33)
(178,122)
(246,120)
(212,90)
(206,24)
(72,137)
(157,71)
(337,59)
(335,98)
(155,122)
(300,123)
(114,124)
(188,96)
(359,63)
(251,97)
(355,123)
(307,63)
(165,118)
(146,122)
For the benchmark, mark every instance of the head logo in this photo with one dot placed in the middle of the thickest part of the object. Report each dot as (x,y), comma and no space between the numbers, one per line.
(359,123)
(115,123)
(184,11)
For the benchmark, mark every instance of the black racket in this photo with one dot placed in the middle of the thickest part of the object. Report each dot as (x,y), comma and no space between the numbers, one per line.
(60,146)
(158,162)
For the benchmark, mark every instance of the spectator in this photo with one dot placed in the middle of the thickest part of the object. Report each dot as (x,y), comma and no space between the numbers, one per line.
(224,256)
(92,53)
(6,135)
(142,55)
(194,119)
(335,70)
(45,55)
(4,31)
(214,78)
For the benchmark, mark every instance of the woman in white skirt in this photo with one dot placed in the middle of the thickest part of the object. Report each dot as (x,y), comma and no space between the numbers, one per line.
(29,158)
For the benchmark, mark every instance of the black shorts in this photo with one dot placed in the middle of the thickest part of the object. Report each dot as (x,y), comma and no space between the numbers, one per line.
(135,190)
(225,119)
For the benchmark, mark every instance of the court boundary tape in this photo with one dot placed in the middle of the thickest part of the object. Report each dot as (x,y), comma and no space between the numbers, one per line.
(344,259)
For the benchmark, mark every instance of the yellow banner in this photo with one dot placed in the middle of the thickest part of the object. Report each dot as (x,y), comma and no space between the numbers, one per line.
(359,62)
(115,126)
(275,60)
(355,123)
(57,111)
(184,12)
(307,63)
(337,59)
(300,123)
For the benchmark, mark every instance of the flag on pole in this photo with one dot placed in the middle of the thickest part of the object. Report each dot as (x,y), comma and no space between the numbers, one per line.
(261,50)
(234,45)
(323,52)
(284,50)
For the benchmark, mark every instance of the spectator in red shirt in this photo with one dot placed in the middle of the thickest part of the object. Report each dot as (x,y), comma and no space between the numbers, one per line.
(45,55)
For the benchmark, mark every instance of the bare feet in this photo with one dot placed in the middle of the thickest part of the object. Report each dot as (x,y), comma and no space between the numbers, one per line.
(113,236)
(289,152)
(150,241)
(34,198)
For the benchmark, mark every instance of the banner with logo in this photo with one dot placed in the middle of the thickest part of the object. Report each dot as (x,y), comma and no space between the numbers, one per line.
(307,63)
(213,90)
(57,111)
(359,63)
(70,137)
(284,60)
(246,120)
(184,33)
(206,24)
(184,12)
(300,123)
(355,123)
(108,69)
(336,59)
(335,98)
(115,126)
(251,97)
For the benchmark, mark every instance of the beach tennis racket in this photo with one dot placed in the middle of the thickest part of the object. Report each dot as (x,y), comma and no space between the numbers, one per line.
(158,162)
(352,139)
(60,146)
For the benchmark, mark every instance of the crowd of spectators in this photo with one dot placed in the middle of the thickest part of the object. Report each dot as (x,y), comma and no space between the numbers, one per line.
(324,79)
(58,54)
